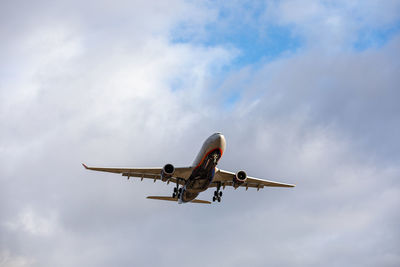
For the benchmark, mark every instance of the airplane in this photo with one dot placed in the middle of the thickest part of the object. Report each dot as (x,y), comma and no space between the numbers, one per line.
(201,175)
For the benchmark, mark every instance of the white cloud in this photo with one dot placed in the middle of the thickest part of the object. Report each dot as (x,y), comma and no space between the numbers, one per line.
(32,223)
(332,25)
(105,85)
(14,261)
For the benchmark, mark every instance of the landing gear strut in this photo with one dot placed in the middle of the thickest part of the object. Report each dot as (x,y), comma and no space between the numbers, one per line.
(217,193)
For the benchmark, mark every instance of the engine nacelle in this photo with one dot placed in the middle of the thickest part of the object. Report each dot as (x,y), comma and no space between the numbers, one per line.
(239,178)
(167,171)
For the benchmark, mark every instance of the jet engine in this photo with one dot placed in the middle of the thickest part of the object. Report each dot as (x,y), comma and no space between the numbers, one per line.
(239,178)
(167,171)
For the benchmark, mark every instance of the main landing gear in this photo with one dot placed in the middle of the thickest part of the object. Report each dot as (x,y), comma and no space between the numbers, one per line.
(217,194)
(177,191)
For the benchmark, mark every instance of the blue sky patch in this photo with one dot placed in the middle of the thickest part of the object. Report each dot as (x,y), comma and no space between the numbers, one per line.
(255,46)
(368,38)
(247,32)
(232,99)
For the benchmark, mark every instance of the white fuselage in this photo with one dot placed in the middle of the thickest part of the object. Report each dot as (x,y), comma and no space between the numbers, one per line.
(204,167)
(215,141)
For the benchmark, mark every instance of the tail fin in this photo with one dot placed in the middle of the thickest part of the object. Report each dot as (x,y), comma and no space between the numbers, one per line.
(176,199)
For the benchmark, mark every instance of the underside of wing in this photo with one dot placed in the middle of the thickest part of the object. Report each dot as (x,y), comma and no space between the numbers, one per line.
(226,178)
(180,173)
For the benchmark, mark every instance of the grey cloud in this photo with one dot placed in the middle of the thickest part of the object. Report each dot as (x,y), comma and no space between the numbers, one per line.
(299,120)
(354,93)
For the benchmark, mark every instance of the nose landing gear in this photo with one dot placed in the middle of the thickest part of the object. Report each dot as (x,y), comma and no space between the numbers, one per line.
(215,158)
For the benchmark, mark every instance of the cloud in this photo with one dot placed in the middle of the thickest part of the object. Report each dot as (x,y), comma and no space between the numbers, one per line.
(110,85)
(7,260)
(332,25)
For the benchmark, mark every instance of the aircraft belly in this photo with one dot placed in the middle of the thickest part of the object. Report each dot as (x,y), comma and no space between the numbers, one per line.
(189,196)
(198,185)
(201,176)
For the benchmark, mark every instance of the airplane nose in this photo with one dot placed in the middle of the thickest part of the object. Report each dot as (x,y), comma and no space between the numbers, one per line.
(220,139)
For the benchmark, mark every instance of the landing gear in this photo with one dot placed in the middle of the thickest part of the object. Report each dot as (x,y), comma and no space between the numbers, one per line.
(216,197)
(215,158)
(217,194)
(177,191)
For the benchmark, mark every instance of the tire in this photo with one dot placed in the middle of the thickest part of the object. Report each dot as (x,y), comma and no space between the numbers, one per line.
(213,199)
(173,195)
(219,199)
(220,193)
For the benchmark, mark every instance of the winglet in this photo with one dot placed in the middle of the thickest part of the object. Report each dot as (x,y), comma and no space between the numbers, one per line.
(86,167)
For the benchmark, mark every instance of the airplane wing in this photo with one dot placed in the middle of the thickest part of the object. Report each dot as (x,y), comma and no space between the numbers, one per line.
(226,179)
(180,174)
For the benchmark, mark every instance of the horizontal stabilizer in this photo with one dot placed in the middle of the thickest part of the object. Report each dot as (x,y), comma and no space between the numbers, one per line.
(176,199)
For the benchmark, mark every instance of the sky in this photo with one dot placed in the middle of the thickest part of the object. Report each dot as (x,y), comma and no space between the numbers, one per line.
(305,92)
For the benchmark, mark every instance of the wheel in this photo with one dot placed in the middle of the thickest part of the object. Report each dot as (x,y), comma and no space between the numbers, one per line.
(220,193)
(180,190)
(179,195)
(219,199)
(173,195)
(215,193)
(175,189)
(213,199)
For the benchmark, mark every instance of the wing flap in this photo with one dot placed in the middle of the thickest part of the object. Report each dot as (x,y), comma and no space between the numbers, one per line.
(226,179)
(247,185)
